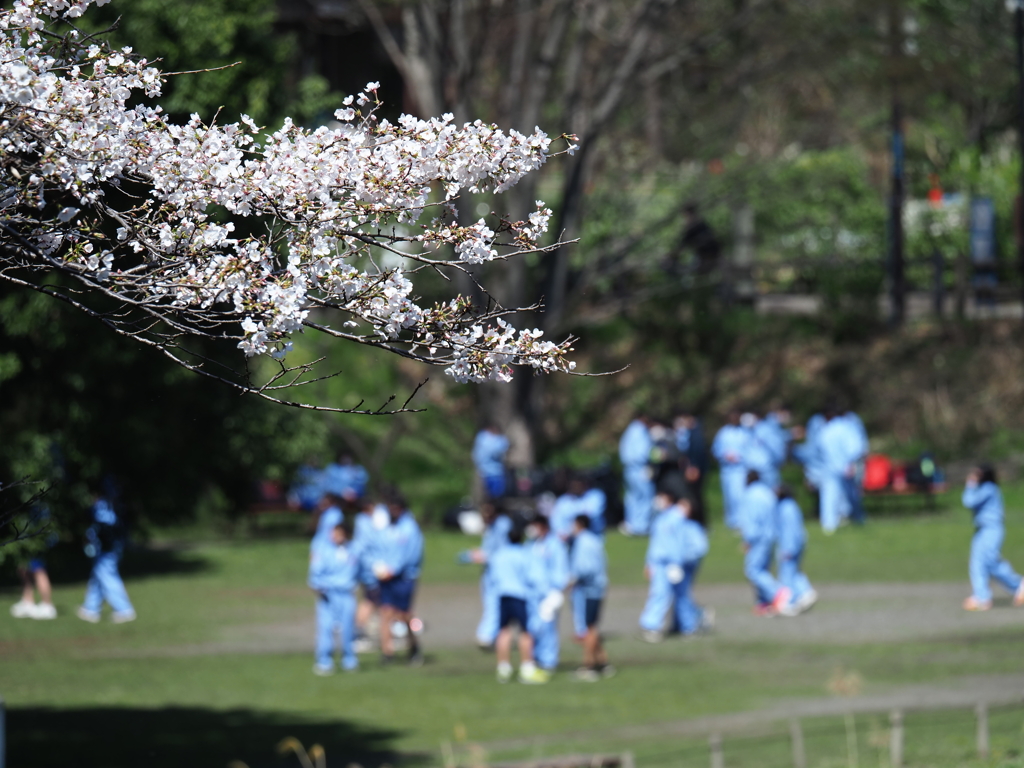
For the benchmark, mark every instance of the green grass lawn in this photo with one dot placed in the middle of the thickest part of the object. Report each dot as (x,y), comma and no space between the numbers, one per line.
(136,695)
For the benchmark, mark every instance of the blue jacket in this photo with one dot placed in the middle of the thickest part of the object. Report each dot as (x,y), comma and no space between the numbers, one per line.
(340,478)
(792,534)
(400,547)
(334,567)
(106,533)
(588,567)
(308,485)
(676,540)
(986,502)
(808,452)
(695,542)
(489,451)
(550,565)
(635,445)
(510,572)
(330,518)
(495,536)
(757,453)
(665,545)
(840,445)
(775,437)
(757,514)
(730,439)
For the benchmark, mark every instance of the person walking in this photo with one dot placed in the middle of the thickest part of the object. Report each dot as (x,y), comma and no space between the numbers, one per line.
(985,500)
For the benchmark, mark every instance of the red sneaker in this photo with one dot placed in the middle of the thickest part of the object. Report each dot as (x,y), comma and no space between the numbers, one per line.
(782,599)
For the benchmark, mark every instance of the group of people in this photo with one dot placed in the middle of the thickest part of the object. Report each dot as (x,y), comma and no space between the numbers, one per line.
(343,478)
(528,569)
(366,556)
(365,561)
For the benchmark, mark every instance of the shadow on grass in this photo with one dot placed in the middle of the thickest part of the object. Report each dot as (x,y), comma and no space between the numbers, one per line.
(173,737)
(67,564)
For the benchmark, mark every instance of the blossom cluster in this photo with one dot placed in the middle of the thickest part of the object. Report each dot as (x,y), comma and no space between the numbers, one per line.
(229,231)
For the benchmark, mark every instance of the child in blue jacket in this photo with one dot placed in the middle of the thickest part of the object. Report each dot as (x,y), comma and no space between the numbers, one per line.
(335,567)
(983,497)
(789,552)
(510,573)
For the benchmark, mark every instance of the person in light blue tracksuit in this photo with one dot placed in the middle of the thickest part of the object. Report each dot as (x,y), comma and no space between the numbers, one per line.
(843,446)
(676,549)
(773,432)
(578,500)
(489,449)
(634,453)
(758,455)
(729,448)
(330,515)
(808,453)
(983,497)
(345,479)
(789,553)
(550,578)
(334,572)
(397,568)
(496,528)
(588,577)
(105,545)
(758,528)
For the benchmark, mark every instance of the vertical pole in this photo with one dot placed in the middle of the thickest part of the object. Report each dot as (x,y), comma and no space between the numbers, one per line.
(896,272)
(851,741)
(896,739)
(939,266)
(982,712)
(717,758)
(1018,18)
(796,733)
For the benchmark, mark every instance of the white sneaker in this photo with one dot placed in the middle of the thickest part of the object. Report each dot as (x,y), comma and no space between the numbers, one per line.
(44,611)
(650,636)
(322,671)
(23,609)
(807,599)
(93,617)
(707,620)
(363,645)
(122,617)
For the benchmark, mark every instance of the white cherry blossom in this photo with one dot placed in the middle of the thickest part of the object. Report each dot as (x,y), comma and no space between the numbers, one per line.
(227,232)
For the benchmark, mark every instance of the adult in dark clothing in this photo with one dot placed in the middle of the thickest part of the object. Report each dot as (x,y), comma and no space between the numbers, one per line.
(699,237)
(693,461)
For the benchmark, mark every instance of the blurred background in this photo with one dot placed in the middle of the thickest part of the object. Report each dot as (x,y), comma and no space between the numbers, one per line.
(855,169)
(857,164)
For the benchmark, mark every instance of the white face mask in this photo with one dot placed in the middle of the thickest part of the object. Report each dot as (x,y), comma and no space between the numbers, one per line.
(661,503)
(532,532)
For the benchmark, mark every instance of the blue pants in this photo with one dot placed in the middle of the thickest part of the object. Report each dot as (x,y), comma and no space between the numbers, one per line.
(757,568)
(854,499)
(487,629)
(659,599)
(790,574)
(639,498)
(579,612)
(833,498)
(734,485)
(987,563)
(105,584)
(547,644)
(494,485)
(664,597)
(336,611)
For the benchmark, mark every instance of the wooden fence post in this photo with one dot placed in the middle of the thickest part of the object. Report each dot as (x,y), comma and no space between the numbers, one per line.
(895,739)
(796,734)
(717,758)
(982,712)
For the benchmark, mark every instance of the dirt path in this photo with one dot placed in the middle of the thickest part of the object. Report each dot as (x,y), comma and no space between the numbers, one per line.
(845,614)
